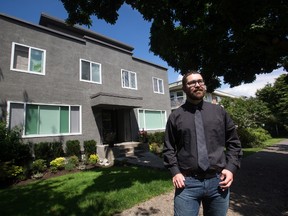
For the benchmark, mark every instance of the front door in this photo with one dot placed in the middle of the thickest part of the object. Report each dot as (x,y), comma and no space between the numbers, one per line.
(109,126)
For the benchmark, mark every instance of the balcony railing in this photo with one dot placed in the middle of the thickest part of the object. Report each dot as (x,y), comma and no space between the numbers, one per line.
(176,102)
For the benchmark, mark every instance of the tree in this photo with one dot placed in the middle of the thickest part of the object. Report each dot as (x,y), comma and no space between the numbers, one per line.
(251,116)
(233,39)
(276,98)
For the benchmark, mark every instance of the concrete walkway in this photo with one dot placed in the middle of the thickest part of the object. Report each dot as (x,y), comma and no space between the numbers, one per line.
(260,187)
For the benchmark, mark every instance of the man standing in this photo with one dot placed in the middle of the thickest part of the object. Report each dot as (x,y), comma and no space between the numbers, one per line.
(202,151)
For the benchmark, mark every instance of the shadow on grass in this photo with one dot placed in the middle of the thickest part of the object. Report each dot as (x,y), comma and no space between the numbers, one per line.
(97,192)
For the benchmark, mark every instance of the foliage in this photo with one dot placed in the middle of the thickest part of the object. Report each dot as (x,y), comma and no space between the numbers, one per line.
(89,147)
(12,147)
(250,116)
(73,148)
(38,166)
(232,39)
(58,163)
(156,142)
(10,172)
(93,159)
(276,98)
(100,192)
(253,137)
(48,150)
(251,112)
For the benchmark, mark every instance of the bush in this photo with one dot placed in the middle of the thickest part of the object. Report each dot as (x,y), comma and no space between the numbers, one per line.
(39,166)
(72,162)
(58,163)
(73,148)
(253,137)
(93,159)
(89,147)
(43,151)
(10,173)
(48,150)
(12,148)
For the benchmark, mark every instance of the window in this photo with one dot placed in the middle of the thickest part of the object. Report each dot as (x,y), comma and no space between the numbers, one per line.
(90,71)
(158,85)
(129,79)
(28,59)
(42,119)
(151,119)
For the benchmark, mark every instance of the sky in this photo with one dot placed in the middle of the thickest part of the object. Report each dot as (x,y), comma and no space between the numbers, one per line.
(130,29)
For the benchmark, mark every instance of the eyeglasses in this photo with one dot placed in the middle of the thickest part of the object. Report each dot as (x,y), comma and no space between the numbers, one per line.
(193,83)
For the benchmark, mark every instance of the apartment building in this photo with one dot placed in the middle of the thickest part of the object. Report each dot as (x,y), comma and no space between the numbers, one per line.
(59,82)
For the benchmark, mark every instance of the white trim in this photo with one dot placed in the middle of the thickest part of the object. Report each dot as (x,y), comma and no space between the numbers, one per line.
(129,74)
(29,57)
(90,63)
(158,86)
(46,104)
(144,110)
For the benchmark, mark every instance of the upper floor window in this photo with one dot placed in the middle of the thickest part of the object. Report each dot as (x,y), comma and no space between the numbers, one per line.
(28,59)
(158,85)
(129,79)
(90,71)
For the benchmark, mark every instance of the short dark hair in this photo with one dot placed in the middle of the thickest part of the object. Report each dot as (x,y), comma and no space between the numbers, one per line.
(188,73)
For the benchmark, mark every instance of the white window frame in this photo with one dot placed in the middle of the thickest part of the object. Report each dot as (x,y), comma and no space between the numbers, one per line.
(29,57)
(44,104)
(129,74)
(159,82)
(145,126)
(91,63)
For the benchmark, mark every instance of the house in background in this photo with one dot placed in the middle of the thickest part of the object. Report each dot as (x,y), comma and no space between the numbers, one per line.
(60,83)
(178,97)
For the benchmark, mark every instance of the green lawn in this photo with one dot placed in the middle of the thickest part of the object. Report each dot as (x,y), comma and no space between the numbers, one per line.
(98,192)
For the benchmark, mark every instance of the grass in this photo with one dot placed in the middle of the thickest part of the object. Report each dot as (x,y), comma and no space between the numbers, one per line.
(100,192)
(250,151)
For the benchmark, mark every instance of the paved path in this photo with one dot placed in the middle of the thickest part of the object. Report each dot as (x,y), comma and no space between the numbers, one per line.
(260,187)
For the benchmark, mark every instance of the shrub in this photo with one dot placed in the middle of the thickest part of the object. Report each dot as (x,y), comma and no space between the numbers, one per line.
(73,148)
(43,151)
(11,173)
(89,147)
(58,163)
(39,166)
(48,150)
(253,137)
(12,148)
(93,159)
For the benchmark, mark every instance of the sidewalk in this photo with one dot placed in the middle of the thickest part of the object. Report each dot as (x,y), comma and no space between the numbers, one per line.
(260,187)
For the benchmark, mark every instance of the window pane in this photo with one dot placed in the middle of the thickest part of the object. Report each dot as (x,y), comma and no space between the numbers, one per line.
(141,120)
(64,119)
(16,115)
(161,86)
(155,85)
(49,120)
(85,70)
(133,80)
(95,73)
(75,119)
(125,79)
(31,123)
(153,119)
(36,60)
(21,57)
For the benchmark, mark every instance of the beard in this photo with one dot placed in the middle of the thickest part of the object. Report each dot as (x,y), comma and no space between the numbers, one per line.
(196,94)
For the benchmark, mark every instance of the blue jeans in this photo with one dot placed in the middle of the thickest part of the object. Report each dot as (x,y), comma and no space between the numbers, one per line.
(187,200)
